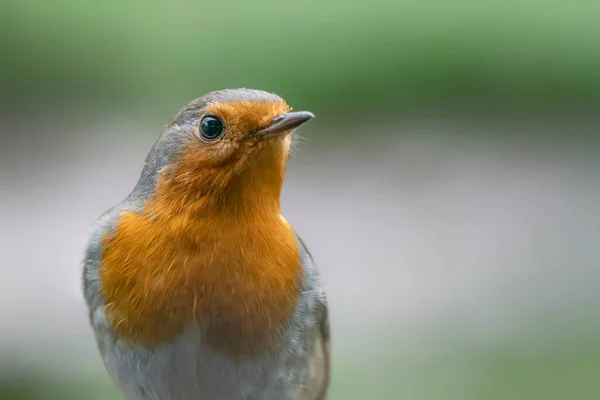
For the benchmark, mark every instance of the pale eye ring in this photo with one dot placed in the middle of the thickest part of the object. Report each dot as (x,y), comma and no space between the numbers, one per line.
(211,128)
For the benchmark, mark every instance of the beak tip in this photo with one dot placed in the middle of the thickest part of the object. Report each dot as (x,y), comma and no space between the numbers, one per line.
(303,116)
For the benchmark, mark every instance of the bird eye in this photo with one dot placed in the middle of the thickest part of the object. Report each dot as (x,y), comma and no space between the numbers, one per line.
(211,128)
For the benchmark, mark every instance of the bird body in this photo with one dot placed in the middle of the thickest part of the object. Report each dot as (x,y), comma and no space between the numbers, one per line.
(197,286)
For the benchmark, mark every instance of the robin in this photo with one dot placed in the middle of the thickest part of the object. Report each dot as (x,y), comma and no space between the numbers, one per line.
(197,286)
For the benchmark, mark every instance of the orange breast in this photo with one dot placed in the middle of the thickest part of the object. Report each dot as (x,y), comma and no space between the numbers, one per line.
(162,272)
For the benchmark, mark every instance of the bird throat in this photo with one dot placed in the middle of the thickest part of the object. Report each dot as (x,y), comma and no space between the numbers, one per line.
(176,266)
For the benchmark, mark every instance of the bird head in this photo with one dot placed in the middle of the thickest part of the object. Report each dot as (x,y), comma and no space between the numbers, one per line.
(228,148)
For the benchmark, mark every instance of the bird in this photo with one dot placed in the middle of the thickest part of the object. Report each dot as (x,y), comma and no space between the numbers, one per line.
(196,286)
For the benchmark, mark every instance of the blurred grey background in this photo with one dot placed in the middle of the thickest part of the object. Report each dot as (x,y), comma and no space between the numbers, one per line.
(448,188)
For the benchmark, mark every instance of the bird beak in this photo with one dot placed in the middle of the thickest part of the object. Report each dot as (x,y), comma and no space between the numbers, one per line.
(286,122)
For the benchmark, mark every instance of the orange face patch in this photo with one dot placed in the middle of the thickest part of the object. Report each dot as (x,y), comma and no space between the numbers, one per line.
(234,169)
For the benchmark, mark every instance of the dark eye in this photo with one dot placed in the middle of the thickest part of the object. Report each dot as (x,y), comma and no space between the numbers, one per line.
(211,128)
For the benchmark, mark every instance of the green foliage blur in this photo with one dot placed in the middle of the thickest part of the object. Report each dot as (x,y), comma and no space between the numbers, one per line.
(330,55)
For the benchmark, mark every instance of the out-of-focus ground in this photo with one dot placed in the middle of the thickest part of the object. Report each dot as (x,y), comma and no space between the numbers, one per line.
(458,265)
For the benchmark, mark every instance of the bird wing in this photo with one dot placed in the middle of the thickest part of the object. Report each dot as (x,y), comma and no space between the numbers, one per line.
(325,350)
(320,359)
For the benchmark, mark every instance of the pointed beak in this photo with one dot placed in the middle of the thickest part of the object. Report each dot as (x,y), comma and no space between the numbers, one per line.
(286,122)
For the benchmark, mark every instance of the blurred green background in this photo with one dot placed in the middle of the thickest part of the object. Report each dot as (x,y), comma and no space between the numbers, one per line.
(331,55)
(449,186)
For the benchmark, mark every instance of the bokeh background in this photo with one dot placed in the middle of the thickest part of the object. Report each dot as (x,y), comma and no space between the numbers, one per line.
(449,187)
